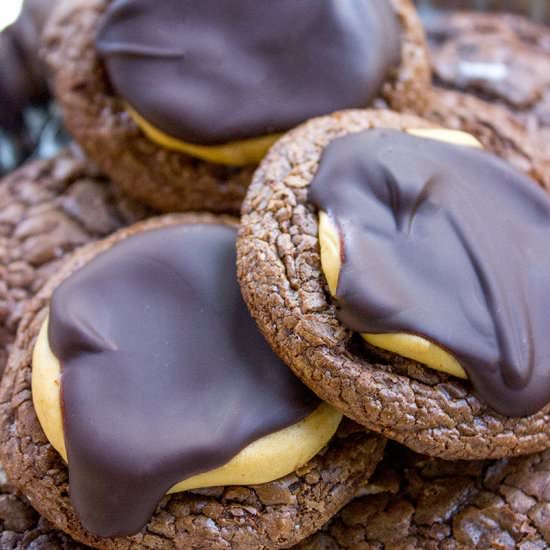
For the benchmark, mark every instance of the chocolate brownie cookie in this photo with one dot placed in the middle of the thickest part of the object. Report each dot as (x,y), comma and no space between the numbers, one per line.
(48,208)
(500,57)
(386,385)
(124,104)
(430,503)
(254,516)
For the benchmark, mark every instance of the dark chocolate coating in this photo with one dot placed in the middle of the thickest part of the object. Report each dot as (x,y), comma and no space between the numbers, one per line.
(449,243)
(211,72)
(164,373)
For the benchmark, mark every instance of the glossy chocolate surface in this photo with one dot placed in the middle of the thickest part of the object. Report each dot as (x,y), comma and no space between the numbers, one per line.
(449,243)
(211,72)
(164,373)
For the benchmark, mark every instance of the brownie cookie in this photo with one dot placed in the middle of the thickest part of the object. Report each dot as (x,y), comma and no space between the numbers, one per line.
(139,140)
(429,503)
(47,209)
(254,516)
(283,281)
(501,57)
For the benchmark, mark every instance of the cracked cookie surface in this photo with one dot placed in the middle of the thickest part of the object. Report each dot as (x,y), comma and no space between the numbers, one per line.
(496,127)
(280,274)
(437,505)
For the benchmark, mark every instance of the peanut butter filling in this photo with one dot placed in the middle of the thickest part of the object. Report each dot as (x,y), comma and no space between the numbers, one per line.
(410,346)
(267,459)
(238,153)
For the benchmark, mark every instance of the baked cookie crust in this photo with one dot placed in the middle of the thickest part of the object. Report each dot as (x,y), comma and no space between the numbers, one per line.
(280,274)
(423,502)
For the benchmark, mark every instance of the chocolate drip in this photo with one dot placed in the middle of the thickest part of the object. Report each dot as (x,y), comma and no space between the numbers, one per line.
(449,243)
(164,373)
(212,72)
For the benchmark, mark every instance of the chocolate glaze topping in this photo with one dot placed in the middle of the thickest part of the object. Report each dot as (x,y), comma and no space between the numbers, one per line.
(164,373)
(449,243)
(211,72)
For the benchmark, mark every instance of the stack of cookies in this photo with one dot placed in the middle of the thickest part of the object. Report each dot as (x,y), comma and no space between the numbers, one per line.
(281,291)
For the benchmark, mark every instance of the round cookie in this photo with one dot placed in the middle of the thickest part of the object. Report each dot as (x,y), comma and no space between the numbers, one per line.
(421,502)
(263,516)
(500,57)
(169,180)
(279,268)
